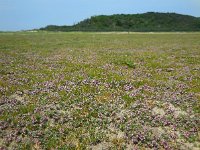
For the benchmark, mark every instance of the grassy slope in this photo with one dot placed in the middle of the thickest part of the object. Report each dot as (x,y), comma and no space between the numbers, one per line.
(89,90)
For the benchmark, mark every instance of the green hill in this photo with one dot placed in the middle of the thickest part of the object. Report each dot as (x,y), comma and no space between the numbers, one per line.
(134,22)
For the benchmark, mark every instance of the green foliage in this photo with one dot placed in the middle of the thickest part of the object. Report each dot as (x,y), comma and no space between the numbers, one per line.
(128,99)
(124,62)
(134,22)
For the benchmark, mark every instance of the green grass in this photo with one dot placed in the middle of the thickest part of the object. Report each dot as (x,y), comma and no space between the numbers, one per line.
(87,90)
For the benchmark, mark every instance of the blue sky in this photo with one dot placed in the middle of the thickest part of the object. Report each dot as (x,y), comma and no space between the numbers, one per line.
(28,14)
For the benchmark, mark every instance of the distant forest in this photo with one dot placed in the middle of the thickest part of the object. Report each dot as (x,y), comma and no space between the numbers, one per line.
(146,22)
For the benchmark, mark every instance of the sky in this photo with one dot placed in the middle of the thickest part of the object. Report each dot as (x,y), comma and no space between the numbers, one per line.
(18,15)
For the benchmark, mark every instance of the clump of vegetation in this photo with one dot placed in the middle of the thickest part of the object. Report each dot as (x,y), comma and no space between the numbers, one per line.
(124,61)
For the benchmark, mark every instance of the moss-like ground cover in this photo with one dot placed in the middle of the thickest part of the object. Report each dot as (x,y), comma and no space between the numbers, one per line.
(99,90)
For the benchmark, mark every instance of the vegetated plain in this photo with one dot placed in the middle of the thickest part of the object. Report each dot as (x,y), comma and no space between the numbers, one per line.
(99,90)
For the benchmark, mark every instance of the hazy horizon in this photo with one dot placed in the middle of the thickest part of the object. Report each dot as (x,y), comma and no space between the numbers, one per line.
(30,14)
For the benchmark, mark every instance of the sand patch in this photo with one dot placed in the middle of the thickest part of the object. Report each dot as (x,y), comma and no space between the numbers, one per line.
(158,111)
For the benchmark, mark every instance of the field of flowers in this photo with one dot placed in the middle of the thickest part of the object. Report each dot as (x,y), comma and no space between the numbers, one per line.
(99,91)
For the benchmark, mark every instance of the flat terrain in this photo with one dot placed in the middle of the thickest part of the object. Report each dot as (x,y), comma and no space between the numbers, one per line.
(99,90)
